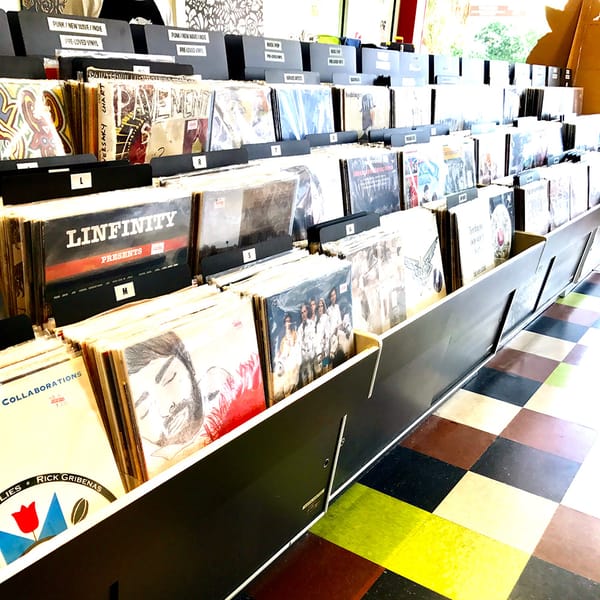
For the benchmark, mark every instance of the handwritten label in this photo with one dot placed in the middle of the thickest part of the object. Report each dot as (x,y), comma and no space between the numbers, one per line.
(249,255)
(124,291)
(81,181)
(199,162)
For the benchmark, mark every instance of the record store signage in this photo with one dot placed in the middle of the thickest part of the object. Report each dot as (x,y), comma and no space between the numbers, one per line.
(185,50)
(75,26)
(190,37)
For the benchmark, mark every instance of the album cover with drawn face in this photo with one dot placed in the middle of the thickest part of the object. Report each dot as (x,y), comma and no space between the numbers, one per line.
(365,108)
(186,388)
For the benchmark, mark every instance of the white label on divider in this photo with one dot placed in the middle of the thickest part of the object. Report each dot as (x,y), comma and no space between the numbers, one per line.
(293,78)
(81,42)
(124,291)
(81,181)
(200,37)
(141,69)
(333,138)
(199,162)
(411,138)
(275,56)
(191,50)
(354,79)
(76,26)
(335,52)
(30,165)
(272,45)
(335,62)
(249,255)
(276,150)
(350,229)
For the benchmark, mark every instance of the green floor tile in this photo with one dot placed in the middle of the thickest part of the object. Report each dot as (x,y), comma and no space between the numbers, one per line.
(580,301)
(369,523)
(563,375)
(457,562)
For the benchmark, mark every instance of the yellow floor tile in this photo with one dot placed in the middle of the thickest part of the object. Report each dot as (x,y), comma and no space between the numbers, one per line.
(458,563)
(478,411)
(500,511)
(541,345)
(369,523)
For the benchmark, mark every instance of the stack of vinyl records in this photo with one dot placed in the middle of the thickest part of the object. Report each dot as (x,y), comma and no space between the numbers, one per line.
(582,132)
(424,282)
(448,106)
(237,208)
(66,245)
(303,312)
(378,294)
(411,106)
(319,195)
(531,145)
(243,114)
(552,103)
(361,108)
(559,193)
(141,117)
(33,119)
(459,157)
(371,182)
(513,104)
(301,109)
(424,174)
(58,467)
(169,390)
(532,205)
(490,156)
(501,203)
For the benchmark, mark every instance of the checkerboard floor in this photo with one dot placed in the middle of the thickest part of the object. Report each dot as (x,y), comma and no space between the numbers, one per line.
(494,497)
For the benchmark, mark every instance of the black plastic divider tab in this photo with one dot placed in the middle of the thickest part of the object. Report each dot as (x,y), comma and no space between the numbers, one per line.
(70,66)
(329,139)
(55,162)
(22,67)
(166,166)
(14,330)
(401,136)
(424,357)
(336,229)
(7,48)
(236,257)
(265,482)
(72,302)
(272,149)
(565,250)
(34,185)
(291,76)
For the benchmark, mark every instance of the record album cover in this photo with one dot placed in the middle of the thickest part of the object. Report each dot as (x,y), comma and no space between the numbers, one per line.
(65,469)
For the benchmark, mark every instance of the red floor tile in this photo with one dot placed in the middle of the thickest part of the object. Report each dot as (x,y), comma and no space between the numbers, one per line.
(454,443)
(523,364)
(550,434)
(579,316)
(317,569)
(572,541)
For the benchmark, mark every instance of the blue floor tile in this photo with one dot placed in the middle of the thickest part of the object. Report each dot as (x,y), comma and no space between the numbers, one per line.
(570,332)
(413,477)
(527,468)
(390,586)
(589,288)
(502,386)
(543,581)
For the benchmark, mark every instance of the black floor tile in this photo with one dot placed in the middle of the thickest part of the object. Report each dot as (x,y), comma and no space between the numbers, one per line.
(527,468)
(542,581)
(413,477)
(588,287)
(390,586)
(502,386)
(564,330)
